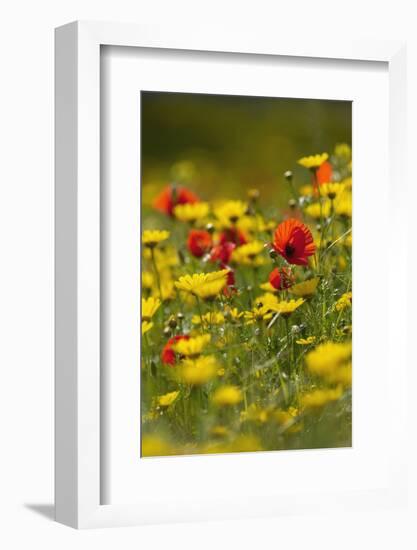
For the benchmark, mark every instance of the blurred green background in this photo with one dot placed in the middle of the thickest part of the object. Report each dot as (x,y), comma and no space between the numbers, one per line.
(220,146)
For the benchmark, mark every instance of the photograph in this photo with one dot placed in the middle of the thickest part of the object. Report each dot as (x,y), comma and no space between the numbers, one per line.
(193,352)
(246,274)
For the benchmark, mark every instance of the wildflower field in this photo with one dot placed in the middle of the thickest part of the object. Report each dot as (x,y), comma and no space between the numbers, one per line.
(246,314)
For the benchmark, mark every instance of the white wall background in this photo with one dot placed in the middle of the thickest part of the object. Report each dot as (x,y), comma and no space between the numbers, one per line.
(26,272)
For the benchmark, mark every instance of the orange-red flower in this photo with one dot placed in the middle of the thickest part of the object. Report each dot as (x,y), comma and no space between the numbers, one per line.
(281,278)
(230,288)
(232,235)
(222,252)
(171,196)
(168,354)
(230,277)
(294,241)
(199,242)
(323,174)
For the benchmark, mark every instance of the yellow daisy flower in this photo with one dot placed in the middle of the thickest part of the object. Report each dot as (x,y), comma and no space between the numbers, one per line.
(255,224)
(315,211)
(152,237)
(197,372)
(331,190)
(342,375)
(227,395)
(343,205)
(203,285)
(347,183)
(313,161)
(165,259)
(326,356)
(306,190)
(166,289)
(268,300)
(257,314)
(331,361)
(146,326)
(285,308)
(212,287)
(249,254)
(229,212)
(191,212)
(321,397)
(147,279)
(149,307)
(233,313)
(193,346)
(306,288)
(344,301)
(210,318)
(167,399)
(306,341)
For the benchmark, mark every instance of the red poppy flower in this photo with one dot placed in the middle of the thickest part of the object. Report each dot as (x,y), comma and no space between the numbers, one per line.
(230,281)
(171,196)
(222,252)
(233,235)
(281,278)
(294,241)
(199,242)
(323,174)
(168,354)
(229,289)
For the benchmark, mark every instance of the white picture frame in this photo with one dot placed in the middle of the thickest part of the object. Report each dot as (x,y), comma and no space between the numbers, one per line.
(77,242)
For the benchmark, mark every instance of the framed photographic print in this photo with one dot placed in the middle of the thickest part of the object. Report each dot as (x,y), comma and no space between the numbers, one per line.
(220,347)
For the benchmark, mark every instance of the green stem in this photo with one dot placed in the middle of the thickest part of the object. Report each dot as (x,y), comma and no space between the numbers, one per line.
(289,340)
(317,186)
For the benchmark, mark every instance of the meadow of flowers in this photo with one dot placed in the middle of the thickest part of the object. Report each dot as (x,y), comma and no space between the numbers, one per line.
(246,317)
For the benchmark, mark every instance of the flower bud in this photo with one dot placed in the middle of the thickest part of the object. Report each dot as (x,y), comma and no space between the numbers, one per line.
(295,329)
(253,194)
(172,322)
(288,175)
